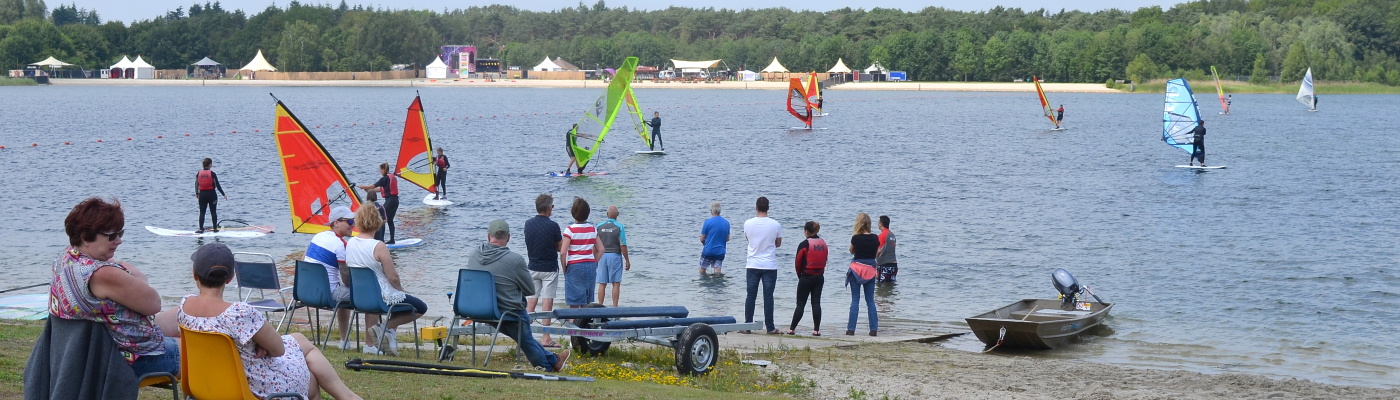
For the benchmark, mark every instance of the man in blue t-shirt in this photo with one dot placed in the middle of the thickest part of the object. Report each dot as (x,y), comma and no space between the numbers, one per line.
(714,234)
(542,237)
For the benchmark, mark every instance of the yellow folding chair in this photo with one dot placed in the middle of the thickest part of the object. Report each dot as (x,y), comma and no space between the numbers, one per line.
(220,369)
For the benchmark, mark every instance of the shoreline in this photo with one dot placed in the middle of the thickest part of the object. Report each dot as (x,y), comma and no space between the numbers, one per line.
(582,84)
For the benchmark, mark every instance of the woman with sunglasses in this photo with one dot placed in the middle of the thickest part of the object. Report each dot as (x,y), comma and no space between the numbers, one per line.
(89,284)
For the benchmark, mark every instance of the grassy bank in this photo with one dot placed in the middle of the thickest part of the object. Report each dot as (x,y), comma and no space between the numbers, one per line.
(1208,86)
(642,373)
(17,82)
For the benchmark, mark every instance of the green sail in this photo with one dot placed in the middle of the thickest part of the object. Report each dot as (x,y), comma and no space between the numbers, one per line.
(587,138)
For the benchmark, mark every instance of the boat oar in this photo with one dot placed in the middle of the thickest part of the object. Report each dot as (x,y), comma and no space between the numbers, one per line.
(25,287)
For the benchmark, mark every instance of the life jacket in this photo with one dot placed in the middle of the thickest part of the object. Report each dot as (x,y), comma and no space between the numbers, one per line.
(205,179)
(393,189)
(441,162)
(816,257)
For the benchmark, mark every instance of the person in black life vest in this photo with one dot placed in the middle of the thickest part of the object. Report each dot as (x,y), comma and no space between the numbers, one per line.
(205,183)
(440,178)
(810,264)
(656,130)
(1198,143)
(388,186)
(569,147)
(1060,114)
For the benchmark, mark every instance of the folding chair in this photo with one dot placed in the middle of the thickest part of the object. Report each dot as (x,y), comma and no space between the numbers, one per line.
(476,301)
(311,289)
(162,380)
(260,276)
(220,369)
(367,298)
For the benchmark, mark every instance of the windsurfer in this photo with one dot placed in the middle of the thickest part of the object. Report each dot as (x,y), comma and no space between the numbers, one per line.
(205,183)
(440,178)
(1314,101)
(569,147)
(389,187)
(1060,114)
(656,130)
(1198,143)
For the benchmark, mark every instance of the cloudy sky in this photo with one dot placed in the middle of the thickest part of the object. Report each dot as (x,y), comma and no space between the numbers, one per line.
(149,9)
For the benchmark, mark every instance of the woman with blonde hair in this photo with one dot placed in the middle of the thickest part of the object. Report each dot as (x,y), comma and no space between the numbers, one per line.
(362,251)
(861,276)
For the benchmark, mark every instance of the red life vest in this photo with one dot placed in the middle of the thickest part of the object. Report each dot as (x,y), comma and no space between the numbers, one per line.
(393,189)
(205,179)
(441,162)
(816,257)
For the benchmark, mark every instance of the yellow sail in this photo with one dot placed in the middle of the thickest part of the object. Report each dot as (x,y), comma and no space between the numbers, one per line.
(415,162)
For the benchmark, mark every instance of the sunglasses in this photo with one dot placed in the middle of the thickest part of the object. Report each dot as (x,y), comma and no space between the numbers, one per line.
(113,236)
(350,221)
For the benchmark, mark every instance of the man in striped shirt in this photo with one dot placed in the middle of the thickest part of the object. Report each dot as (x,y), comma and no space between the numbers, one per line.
(579,254)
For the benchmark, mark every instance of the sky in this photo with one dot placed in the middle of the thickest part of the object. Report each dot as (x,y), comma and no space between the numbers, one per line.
(149,9)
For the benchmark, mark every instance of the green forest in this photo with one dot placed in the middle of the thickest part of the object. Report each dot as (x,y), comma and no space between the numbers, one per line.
(1255,40)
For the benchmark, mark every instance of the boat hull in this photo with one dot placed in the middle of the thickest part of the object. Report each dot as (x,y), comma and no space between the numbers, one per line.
(1036,324)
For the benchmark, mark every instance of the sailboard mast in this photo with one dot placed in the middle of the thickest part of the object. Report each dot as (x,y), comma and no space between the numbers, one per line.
(1306,93)
(797,102)
(1224,105)
(1044,103)
(1180,115)
(415,162)
(598,120)
(315,183)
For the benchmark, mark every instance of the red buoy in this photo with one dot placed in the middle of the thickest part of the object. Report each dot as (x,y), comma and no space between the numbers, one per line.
(65,143)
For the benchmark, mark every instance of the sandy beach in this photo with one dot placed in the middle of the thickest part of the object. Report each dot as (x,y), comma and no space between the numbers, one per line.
(537,83)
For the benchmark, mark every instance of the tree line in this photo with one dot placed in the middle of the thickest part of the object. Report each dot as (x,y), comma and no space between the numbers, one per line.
(1259,40)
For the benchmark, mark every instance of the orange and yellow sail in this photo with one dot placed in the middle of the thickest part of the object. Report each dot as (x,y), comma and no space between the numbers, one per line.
(1044,103)
(1224,104)
(415,163)
(315,184)
(797,104)
(814,94)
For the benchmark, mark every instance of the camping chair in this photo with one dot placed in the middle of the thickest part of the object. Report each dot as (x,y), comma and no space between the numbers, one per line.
(220,369)
(476,301)
(311,289)
(260,276)
(367,298)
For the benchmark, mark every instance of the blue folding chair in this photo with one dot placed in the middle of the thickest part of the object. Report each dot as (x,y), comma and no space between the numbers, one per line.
(311,289)
(475,300)
(257,272)
(367,298)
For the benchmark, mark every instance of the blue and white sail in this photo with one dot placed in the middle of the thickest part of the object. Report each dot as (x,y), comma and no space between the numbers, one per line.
(1305,91)
(1180,115)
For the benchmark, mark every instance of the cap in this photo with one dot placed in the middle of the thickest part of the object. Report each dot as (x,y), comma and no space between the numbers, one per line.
(340,212)
(497,226)
(208,256)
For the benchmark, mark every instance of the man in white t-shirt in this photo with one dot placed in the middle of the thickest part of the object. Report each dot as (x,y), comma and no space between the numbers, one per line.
(765,235)
(328,249)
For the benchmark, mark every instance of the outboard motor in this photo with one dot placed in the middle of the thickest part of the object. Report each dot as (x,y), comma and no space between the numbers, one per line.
(1067,285)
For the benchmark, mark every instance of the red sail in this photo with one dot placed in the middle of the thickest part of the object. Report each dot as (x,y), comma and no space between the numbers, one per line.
(315,184)
(797,102)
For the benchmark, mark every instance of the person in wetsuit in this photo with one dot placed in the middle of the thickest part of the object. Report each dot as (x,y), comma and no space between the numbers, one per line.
(1198,143)
(1060,114)
(440,178)
(388,186)
(205,183)
(656,130)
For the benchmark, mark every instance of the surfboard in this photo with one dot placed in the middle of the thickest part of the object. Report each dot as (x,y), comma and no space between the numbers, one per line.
(239,232)
(1200,167)
(563,175)
(1058,129)
(29,307)
(436,203)
(652,152)
(401,243)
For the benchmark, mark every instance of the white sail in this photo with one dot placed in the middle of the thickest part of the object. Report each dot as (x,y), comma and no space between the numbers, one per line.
(1305,92)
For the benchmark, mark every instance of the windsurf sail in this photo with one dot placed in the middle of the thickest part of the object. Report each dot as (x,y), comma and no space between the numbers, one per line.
(639,119)
(1180,115)
(814,94)
(315,184)
(1305,92)
(1224,105)
(1045,104)
(598,120)
(415,162)
(797,102)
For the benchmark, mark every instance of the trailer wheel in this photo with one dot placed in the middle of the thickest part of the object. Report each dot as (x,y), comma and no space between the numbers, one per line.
(698,351)
(588,346)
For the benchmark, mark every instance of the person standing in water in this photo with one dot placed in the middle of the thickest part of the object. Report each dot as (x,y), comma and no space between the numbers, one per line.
(569,147)
(656,130)
(205,183)
(388,186)
(1060,114)
(440,178)
(1198,143)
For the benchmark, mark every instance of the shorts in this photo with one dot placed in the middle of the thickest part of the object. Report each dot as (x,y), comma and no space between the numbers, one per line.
(546,284)
(610,269)
(578,283)
(341,293)
(711,262)
(887,272)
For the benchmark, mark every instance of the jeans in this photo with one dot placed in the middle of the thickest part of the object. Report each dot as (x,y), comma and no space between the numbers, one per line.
(769,277)
(578,283)
(869,289)
(809,286)
(168,362)
(519,330)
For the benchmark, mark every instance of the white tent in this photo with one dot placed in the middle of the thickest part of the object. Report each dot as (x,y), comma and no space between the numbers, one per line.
(258,64)
(746,75)
(51,63)
(437,69)
(123,64)
(143,69)
(547,65)
(775,67)
(123,68)
(876,67)
(692,66)
(840,67)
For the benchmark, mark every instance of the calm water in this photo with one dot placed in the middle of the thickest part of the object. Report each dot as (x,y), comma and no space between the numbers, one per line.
(1283,265)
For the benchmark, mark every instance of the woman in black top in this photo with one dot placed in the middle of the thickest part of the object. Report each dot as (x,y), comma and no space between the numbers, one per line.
(864,245)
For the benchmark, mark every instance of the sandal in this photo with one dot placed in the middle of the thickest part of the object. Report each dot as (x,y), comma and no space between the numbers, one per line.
(792,332)
(816,333)
(549,345)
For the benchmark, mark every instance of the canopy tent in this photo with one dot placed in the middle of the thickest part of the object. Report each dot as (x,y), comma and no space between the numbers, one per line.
(547,65)
(206,62)
(876,67)
(746,75)
(695,65)
(840,67)
(205,68)
(143,70)
(121,68)
(437,69)
(775,67)
(259,63)
(51,63)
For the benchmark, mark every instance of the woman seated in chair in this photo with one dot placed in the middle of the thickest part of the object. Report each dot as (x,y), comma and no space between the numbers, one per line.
(362,251)
(274,364)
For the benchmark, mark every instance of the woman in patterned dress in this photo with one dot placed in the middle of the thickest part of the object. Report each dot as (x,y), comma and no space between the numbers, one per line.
(274,364)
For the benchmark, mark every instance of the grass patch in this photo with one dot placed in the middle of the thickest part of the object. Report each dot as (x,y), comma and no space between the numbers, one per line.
(643,372)
(17,82)
(1207,86)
